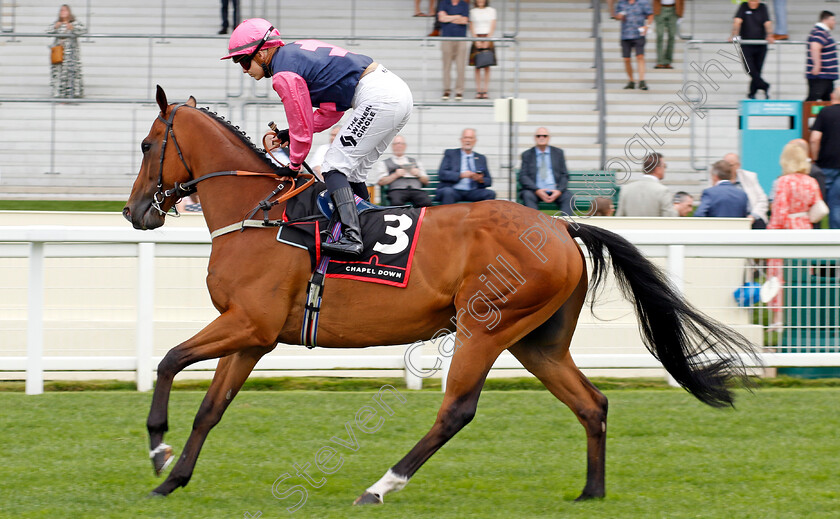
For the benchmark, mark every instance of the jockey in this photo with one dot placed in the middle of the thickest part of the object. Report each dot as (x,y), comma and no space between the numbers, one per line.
(309,74)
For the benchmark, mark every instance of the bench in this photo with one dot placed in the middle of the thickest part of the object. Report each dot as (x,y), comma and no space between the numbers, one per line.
(586,184)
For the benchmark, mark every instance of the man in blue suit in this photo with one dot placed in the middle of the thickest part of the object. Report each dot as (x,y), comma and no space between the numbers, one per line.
(543,174)
(463,173)
(724,199)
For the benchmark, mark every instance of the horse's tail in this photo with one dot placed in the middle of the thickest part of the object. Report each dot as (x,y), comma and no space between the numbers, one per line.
(699,352)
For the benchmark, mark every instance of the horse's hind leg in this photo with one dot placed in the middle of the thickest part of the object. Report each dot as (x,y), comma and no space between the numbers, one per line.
(545,353)
(231,373)
(228,333)
(469,368)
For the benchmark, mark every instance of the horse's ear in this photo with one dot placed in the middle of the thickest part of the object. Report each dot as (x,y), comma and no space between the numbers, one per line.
(191,102)
(161,100)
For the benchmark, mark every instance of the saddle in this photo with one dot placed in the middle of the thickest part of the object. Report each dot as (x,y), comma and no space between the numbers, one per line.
(389,235)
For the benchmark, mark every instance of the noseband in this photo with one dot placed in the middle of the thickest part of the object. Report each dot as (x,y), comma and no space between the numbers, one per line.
(160,195)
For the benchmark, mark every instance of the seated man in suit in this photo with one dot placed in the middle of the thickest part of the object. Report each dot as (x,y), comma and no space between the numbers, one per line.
(543,174)
(683,203)
(723,199)
(463,174)
(647,196)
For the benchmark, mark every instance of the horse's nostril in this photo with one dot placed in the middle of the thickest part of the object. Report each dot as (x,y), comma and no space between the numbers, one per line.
(127,213)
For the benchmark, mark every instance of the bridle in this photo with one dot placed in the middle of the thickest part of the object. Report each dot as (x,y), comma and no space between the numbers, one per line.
(160,195)
(181,190)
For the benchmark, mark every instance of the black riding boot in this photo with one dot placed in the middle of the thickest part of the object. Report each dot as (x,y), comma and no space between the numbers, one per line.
(350,242)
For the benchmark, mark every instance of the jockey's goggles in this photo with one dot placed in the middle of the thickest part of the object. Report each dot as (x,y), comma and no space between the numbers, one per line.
(245,59)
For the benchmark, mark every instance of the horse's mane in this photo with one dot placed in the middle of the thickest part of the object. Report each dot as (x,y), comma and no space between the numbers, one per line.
(242,137)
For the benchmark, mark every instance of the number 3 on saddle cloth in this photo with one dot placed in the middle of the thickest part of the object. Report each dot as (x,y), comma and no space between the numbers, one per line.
(390,236)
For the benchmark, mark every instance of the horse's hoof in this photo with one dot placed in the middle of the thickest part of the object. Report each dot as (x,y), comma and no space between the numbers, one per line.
(161,458)
(587,496)
(368,499)
(155,495)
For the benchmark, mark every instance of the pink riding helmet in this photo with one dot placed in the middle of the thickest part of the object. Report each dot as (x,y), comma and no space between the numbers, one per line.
(249,34)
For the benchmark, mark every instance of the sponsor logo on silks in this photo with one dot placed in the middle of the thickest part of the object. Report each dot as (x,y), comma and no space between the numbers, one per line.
(358,126)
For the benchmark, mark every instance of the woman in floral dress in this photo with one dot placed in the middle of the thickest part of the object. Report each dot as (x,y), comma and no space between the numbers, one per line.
(796,191)
(66,77)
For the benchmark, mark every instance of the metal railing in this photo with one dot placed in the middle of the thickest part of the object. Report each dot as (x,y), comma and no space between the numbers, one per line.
(600,84)
(239,93)
(37,244)
(781,86)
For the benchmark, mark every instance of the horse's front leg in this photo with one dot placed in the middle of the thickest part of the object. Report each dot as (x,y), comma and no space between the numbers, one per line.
(231,373)
(227,334)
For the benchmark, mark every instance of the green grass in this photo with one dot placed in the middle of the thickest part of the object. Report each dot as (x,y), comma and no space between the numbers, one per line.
(62,205)
(373,384)
(85,455)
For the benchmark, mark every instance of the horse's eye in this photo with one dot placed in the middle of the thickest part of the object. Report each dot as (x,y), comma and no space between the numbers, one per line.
(145,146)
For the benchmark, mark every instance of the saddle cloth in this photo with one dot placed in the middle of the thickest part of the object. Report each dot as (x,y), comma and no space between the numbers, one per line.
(390,236)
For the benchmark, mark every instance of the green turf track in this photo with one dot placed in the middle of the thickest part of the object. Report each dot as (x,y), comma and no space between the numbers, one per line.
(85,455)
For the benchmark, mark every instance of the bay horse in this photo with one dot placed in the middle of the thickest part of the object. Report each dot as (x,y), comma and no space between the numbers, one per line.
(259,288)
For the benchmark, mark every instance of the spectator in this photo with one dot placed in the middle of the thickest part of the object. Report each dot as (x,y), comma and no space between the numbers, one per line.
(225,10)
(189,204)
(825,146)
(723,199)
(543,174)
(66,77)
(780,10)
(463,174)
(453,15)
(748,182)
(683,203)
(821,67)
(796,192)
(666,13)
(321,151)
(635,16)
(603,206)
(418,12)
(647,196)
(482,25)
(816,172)
(404,176)
(752,22)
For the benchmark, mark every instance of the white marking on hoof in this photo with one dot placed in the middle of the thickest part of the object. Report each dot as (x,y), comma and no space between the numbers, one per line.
(166,450)
(160,448)
(390,482)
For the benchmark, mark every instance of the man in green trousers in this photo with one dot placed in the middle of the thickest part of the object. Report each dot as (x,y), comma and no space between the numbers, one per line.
(665,14)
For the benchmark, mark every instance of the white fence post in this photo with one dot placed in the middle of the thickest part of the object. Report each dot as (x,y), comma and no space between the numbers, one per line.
(35,321)
(413,381)
(145,314)
(676,274)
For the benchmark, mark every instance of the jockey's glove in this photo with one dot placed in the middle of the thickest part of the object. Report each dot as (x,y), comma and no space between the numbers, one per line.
(290,170)
(283,135)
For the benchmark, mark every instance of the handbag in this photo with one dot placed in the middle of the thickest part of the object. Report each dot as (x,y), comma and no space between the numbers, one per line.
(818,211)
(485,58)
(57,54)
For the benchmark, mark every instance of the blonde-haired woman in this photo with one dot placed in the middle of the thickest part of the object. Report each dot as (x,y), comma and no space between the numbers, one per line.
(796,191)
(66,77)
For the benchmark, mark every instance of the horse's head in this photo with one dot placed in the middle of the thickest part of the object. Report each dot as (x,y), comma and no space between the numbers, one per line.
(163,166)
